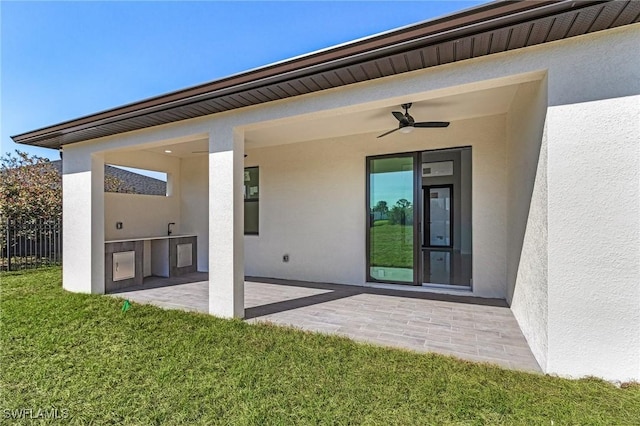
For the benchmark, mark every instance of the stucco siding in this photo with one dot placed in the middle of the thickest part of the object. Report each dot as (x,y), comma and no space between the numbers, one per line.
(594,238)
(194,204)
(527,215)
(312,204)
(143,215)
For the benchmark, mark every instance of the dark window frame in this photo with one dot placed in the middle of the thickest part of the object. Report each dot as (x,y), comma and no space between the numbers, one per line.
(417,218)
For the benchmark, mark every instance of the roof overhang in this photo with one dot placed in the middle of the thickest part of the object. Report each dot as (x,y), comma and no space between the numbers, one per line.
(483,30)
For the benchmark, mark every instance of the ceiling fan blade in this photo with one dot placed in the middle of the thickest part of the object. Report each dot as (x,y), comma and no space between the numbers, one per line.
(398,115)
(390,131)
(431,124)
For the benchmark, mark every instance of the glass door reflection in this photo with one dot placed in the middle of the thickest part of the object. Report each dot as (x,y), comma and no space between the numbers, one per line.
(391,251)
(438,216)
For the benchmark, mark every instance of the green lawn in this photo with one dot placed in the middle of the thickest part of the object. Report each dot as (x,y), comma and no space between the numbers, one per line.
(148,366)
(391,245)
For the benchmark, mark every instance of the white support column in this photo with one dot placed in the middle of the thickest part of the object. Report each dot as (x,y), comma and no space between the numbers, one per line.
(226,223)
(83,221)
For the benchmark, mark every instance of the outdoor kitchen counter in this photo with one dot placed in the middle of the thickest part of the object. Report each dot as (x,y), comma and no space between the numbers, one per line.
(129,260)
(162,237)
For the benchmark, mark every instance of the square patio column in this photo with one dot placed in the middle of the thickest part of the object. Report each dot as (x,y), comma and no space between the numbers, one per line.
(82,221)
(226,223)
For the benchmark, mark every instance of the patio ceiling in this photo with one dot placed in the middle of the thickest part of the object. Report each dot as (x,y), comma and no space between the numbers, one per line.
(372,121)
(188,149)
(484,30)
(452,108)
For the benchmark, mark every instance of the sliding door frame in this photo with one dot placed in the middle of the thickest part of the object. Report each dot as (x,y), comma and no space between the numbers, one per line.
(417,217)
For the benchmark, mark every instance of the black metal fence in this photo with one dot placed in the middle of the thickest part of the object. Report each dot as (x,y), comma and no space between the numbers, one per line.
(30,243)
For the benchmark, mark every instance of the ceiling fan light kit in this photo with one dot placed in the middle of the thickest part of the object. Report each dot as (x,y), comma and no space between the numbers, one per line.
(406,123)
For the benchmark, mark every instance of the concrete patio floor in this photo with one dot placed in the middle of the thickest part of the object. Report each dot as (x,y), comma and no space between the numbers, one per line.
(469,328)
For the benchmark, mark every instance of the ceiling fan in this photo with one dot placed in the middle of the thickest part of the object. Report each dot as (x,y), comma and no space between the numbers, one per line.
(407,123)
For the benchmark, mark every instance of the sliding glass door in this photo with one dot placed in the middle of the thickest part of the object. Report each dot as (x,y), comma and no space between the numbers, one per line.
(391,224)
(419,218)
(438,213)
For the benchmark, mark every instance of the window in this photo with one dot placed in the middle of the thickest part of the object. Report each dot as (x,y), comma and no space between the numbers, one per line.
(251,200)
(130,180)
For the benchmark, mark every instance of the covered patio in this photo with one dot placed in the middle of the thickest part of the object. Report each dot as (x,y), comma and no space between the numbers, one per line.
(474,329)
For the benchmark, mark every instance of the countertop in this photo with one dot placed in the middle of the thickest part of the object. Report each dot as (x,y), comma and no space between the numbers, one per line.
(161,237)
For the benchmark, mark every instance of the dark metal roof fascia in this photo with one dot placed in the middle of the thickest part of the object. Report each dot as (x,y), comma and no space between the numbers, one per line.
(471,21)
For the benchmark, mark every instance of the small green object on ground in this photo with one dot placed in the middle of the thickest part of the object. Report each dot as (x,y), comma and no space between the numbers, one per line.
(126,305)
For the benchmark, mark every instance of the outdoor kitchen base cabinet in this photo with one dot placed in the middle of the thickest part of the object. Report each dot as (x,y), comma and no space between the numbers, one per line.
(173,257)
(168,256)
(183,255)
(123,265)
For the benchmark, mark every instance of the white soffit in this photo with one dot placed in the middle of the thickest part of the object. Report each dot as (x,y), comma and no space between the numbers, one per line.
(462,106)
(183,149)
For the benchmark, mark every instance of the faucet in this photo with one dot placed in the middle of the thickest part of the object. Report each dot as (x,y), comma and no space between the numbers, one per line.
(169,230)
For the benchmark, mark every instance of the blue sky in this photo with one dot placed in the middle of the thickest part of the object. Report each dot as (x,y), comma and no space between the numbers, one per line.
(63,60)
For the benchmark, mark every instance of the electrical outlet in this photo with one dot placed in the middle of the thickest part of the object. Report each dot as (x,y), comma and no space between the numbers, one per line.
(118,225)
(285,258)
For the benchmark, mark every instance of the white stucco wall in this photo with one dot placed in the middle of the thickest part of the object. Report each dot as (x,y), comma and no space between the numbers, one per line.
(594,238)
(194,204)
(593,129)
(527,214)
(312,204)
(143,215)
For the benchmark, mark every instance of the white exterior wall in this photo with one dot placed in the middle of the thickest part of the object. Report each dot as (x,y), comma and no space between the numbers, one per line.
(594,238)
(593,129)
(312,204)
(589,146)
(143,215)
(194,204)
(527,215)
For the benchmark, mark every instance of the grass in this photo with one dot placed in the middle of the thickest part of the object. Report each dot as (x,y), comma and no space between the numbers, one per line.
(391,245)
(27,262)
(149,366)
